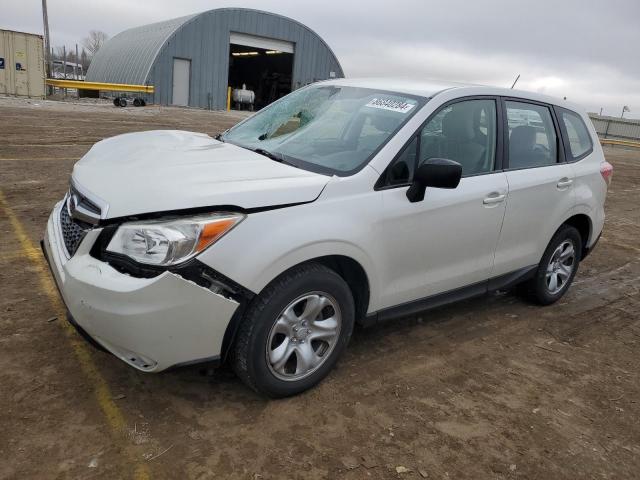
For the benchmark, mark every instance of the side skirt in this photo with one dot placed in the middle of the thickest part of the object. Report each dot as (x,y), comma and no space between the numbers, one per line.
(501,282)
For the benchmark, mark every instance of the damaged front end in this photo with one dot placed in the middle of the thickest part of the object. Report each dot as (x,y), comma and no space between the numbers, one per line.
(153,317)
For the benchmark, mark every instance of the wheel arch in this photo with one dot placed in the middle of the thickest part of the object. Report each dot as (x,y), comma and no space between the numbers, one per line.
(355,277)
(351,271)
(584,225)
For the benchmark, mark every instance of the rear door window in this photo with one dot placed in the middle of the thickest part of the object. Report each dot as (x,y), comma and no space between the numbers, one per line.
(577,134)
(532,135)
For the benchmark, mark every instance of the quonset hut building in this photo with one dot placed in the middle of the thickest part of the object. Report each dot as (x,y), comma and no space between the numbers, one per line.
(193,60)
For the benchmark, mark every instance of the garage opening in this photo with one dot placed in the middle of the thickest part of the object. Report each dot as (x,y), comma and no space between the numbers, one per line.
(263,65)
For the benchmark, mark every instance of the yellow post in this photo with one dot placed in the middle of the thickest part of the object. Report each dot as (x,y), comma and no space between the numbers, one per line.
(228,99)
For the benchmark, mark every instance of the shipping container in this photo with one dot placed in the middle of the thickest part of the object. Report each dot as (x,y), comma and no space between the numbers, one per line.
(22,69)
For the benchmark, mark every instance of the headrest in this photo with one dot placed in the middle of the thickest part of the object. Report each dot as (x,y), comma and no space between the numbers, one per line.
(458,125)
(522,138)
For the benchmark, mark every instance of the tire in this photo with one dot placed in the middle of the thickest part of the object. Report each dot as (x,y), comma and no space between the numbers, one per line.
(266,337)
(137,102)
(116,102)
(541,288)
(122,102)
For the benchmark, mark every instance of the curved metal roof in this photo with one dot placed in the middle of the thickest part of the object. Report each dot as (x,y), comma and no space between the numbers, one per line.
(129,56)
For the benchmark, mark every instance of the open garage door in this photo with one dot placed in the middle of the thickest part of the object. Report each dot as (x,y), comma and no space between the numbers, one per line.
(264,65)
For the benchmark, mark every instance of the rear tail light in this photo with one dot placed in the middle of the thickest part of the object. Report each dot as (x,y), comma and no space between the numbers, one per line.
(606,170)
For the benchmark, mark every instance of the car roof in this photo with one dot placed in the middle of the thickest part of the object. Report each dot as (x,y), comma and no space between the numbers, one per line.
(431,88)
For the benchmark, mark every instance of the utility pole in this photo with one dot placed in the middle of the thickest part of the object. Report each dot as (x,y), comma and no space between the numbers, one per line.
(47,41)
(64,67)
(75,65)
(76,72)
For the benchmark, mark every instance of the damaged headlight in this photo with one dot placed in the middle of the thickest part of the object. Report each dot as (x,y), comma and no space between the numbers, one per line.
(171,241)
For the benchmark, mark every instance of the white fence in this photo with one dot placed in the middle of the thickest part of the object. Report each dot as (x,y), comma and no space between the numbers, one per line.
(611,127)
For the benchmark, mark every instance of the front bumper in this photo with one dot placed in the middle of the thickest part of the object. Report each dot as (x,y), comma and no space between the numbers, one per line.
(150,323)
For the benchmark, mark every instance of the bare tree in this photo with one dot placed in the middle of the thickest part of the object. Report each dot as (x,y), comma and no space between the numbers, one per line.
(94,41)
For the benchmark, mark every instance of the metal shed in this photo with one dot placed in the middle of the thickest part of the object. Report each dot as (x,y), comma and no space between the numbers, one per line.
(192,60)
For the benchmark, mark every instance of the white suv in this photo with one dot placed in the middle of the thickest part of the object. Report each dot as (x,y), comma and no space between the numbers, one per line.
(346,201)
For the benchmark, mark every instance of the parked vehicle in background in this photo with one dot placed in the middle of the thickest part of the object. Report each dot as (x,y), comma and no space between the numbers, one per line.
(346,201)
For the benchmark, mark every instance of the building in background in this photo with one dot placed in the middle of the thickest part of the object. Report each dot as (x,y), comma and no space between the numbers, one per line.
(22,71)
(193,60)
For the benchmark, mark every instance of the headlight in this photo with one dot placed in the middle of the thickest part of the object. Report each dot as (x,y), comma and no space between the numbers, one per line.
(171,241)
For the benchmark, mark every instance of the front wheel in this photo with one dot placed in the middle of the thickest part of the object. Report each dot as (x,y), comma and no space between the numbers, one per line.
(558,266)
(294,331)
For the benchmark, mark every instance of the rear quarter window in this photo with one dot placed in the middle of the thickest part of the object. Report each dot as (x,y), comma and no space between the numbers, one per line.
(576,135)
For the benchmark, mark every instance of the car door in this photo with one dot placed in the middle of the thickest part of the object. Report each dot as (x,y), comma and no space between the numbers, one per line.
(447,240)
(541,189)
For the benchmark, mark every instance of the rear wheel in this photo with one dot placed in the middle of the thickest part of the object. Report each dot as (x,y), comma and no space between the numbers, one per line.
(294,331)
(558,266)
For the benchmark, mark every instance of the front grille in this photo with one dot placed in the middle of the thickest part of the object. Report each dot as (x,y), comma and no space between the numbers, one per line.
(73,231)
(84,202)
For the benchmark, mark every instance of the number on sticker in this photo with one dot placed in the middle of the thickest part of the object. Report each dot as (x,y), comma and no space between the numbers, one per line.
(392,105)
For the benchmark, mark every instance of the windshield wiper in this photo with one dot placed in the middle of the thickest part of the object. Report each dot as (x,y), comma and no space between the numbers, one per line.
(278,157)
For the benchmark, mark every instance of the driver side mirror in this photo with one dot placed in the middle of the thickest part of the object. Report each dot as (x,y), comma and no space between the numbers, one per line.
(436,173)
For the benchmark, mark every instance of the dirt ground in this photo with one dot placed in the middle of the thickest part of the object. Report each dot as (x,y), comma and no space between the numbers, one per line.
(489,388)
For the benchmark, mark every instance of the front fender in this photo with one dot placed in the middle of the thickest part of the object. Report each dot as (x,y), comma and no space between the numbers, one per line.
(269,243)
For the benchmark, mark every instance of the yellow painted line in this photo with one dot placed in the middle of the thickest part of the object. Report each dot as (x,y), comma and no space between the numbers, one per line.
(625,143)
(39,159)
(33,255)
(113,414)
(112,87)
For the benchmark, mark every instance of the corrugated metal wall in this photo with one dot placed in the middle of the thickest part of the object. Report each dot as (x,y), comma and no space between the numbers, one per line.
(128,57)
(21,64)
(610,127)
(144,55)
(205,41)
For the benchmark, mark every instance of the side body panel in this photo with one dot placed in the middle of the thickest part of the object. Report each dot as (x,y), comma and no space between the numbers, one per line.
(445,242)
(590,187)
(351,219)
(536,207)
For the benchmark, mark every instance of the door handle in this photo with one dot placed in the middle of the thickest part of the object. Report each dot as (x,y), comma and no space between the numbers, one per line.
(493,198)
(564,182)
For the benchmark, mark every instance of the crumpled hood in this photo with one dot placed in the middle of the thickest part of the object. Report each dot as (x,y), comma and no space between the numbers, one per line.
(166,170)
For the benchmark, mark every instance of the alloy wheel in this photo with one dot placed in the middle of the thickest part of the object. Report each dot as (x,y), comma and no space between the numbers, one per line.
(303,336)
(560,266)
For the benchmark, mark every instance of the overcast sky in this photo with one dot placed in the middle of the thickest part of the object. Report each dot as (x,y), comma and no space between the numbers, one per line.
(586,50)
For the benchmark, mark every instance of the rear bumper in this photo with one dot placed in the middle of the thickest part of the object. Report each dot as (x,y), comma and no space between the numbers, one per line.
(150,323)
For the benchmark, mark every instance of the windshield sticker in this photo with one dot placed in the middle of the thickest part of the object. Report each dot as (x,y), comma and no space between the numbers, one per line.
(392,105)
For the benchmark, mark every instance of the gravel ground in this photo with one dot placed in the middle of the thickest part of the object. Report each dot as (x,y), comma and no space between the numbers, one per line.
(488,388)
